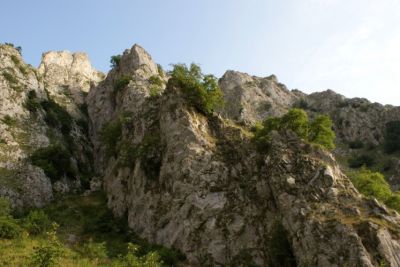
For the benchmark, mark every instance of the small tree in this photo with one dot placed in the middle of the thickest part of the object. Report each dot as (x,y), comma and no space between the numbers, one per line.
(296,120)
(115,61)
(50,252)
(321,132)
(202,91)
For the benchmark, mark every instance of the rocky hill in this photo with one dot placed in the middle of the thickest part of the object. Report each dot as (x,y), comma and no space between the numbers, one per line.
(194,180)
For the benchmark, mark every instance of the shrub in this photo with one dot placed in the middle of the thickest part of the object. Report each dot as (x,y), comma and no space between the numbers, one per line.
(392,137)
(48,253)
(37,222)
(321,132)
(371,184)
(10,78)
(121,83)
(297,121)
(5,207)
(95,250)
(110,134)
(202,91)
(54,160)
(279,248)
(8,120)
(156,84)
(31,102)
(160,70)
(19,49)
(115,61)
(57,116)
(356,144)
(9,229)
(361,160)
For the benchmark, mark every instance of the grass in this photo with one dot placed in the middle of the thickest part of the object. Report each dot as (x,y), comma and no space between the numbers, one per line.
(99,239)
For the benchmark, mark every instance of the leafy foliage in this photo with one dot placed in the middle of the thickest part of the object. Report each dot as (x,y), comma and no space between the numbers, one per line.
(9,228)
(155,85)
(358,161)
(50,252)
(373,184)
(392,136)
(202,91)
(54,160)
(57,116)
(115,61)
(121,83)
(110,135)
(31,102)
(319,131)
(37,222)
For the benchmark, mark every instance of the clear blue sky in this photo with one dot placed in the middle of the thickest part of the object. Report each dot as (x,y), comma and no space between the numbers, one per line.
(351,46)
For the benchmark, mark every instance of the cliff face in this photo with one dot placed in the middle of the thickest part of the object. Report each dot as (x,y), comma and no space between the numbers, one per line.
(31,102)
(197,184)
(190,181)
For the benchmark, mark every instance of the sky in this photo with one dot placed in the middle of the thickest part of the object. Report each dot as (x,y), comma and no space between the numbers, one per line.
(349,46)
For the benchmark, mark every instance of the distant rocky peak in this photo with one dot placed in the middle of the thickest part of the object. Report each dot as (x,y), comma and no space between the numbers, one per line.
(137,58)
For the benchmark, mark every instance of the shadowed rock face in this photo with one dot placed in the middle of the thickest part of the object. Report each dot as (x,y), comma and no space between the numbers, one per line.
(199,186)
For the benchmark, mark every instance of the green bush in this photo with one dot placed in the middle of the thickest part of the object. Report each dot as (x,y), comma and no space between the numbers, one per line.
(279,248)
(371,184)
(94,250)
(31,102)
(10,78)
(319,131)
(110,134)
(57,116)
(55,161)
(121,83)
(37,222)
(356,144)
(9,229)
(115,61)
(392,137)
(202,91)
(9,121)
(357,161)
(49,253)
(5,207)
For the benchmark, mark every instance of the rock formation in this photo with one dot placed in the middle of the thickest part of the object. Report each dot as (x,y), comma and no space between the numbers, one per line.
(196,182)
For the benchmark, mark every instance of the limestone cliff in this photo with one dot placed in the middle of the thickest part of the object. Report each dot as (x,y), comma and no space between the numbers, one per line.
(31,107)
(196,182)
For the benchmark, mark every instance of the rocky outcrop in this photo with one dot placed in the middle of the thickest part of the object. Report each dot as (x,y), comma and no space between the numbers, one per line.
(29,121)
(249,99)
(197,184)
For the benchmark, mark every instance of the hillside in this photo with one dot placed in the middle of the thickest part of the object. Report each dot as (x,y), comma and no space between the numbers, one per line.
(185,171)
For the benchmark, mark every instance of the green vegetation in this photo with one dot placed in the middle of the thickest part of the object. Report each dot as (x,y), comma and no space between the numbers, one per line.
(55,160)
(57,116)
(10,78)
(121,83)
(279,248)
(99,239)
(319,131)
(31,103)
(356,144)
(9,228)
(373,184)
(110,134)
(19,49)
(358,161)
(9,121)
(202,91)
(37,222)
(155,85)
(160,70)
(115,61)
(392,137)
